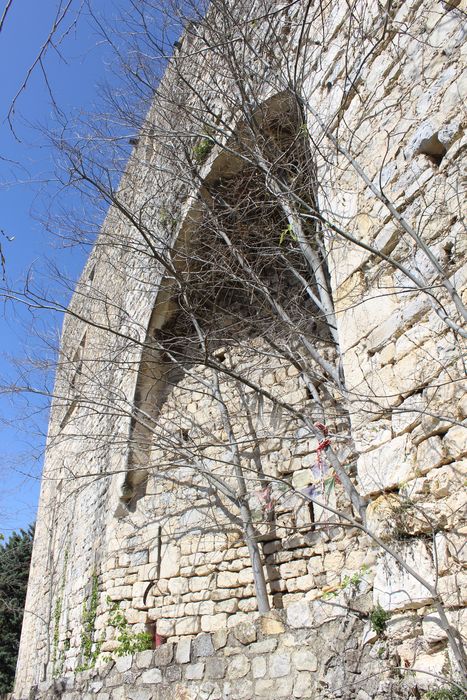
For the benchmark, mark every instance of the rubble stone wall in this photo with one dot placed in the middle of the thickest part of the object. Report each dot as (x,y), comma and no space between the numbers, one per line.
(273,657)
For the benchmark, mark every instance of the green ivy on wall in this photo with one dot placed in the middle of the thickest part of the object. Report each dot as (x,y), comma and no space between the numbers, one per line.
(129,642)
(90,647)
(58,657)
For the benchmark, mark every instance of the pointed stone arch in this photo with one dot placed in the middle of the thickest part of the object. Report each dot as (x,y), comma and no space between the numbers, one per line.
(157,374)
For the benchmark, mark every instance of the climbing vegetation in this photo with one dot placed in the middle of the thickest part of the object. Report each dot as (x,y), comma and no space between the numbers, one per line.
(90,646)
(129,642)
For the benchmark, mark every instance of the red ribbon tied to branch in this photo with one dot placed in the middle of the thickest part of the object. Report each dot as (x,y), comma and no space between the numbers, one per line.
(265,496)
(325,442)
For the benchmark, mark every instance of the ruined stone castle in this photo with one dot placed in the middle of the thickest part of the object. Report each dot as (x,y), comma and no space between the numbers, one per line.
(254,476)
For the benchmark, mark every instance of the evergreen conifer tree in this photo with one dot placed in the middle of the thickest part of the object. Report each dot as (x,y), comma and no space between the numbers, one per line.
(15,558)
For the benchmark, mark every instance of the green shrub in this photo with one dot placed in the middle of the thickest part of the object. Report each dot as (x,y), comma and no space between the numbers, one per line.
(450,692)
(379,618)
(129,642)
(356,578)
(348,582)
(202,149)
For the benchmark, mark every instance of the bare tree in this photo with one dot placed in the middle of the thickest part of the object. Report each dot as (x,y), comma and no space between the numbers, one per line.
(227,217)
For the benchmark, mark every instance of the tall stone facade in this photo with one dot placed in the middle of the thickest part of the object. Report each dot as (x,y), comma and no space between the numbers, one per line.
(137,541)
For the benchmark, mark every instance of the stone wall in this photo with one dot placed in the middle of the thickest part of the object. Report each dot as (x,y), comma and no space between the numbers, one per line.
(400,426)
(276,656)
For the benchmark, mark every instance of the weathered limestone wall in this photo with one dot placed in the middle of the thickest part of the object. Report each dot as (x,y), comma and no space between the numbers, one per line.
(402,363)
(169,564)
(85,444)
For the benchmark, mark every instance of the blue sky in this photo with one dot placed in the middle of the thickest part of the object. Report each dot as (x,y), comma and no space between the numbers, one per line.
(26,186)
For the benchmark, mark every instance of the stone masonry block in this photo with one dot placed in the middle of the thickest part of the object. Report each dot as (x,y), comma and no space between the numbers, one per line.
(387,466)
(202,646)
(183,651)
(238,666)
(394,587)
